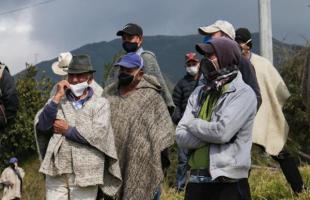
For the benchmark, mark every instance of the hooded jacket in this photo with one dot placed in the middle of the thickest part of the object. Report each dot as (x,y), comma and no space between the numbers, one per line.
(180,95)
(229,132)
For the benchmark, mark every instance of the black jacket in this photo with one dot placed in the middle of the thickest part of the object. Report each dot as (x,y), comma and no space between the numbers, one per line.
(249,77)
(181,93)
(8,98)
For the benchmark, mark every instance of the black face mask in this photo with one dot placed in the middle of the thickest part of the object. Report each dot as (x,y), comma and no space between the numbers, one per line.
(130,46)
(208,70)
(125,79)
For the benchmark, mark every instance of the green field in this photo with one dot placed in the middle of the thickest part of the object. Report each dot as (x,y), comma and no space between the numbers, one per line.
(266,184)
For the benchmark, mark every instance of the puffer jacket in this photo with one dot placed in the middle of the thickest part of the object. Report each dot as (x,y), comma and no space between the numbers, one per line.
(180,95)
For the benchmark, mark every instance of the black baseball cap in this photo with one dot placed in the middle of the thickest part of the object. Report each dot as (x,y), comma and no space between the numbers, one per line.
(130,29)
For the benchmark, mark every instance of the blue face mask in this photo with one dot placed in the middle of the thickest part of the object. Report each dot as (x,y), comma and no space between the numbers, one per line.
(206,39)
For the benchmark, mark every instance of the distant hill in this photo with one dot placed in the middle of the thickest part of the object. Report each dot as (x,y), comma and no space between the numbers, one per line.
(169,50)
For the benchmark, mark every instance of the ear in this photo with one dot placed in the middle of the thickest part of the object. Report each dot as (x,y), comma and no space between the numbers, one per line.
(90,78)
(141,40)
(140,74)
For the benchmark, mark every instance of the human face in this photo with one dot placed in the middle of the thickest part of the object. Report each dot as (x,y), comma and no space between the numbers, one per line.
(245,49)
(192,67)
(213,58)
(217,34)
(191,63)
(132,39)
(128,77)
(79,78)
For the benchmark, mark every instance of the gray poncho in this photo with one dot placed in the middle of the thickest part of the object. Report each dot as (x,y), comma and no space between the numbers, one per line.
(96,164)
(142,128)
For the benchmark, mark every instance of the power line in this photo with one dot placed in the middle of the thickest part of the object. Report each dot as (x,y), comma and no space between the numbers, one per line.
(26,7)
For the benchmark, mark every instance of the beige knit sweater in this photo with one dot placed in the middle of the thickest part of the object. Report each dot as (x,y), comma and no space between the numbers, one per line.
(96,164)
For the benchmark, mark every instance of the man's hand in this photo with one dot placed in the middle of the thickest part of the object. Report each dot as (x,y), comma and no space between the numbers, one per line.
(60,92)
(60,126)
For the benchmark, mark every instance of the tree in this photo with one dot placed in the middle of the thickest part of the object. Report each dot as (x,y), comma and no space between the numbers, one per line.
(109,73)
(18,138)
(295,109)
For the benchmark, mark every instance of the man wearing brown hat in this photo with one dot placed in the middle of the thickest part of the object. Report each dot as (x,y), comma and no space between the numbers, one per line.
(132,39)
(222,28)
(75,139)
(181,92)
(60,68)
(271,135)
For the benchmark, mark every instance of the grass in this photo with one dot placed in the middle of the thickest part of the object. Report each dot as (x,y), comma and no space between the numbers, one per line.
(265,183)
(33,184)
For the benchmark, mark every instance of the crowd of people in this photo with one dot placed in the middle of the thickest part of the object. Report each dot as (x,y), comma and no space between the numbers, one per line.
(113,142)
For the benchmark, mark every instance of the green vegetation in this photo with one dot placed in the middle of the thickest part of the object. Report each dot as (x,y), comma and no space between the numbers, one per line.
(266,184)
(295,110)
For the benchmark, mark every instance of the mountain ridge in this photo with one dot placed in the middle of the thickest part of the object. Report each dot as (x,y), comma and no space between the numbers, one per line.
(169,50)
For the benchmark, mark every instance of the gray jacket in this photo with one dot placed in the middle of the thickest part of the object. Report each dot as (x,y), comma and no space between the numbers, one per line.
(151,67)
(229,132)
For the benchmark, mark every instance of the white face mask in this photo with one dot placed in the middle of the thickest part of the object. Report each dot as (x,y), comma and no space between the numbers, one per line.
(78,89)
(192,70)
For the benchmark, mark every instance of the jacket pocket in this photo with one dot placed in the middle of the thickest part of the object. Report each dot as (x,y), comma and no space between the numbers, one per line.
(225,155)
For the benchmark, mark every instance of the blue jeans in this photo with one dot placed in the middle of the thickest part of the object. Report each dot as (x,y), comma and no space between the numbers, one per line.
(157,194)
(182,168)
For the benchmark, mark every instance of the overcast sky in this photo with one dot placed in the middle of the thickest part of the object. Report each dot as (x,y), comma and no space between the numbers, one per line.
(45,30)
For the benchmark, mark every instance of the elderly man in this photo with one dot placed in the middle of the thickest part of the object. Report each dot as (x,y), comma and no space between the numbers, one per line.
(217,127)
(60,68)
(222,28)
(142,127)
(271,135)
(132,38)
(12,179)
(8,97)
(80,156)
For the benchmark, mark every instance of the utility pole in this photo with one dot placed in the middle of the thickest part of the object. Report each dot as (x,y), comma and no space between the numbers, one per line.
(265,29)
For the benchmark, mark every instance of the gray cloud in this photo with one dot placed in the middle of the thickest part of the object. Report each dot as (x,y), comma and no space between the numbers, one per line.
(63,25)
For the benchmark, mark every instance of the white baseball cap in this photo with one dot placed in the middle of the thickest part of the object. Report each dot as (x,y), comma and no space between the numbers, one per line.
(219,25)
(60,67)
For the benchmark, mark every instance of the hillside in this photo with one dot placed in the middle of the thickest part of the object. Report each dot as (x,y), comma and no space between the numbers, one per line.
(170,51)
